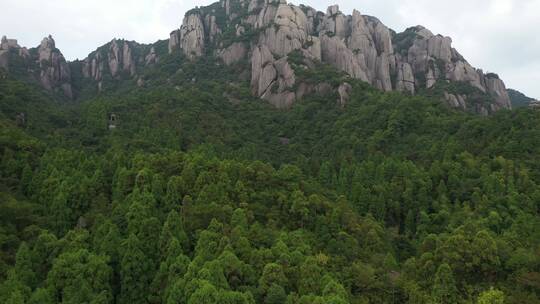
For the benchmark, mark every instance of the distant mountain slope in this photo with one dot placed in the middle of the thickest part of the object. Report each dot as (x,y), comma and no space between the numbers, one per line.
(519,99)
(279,45)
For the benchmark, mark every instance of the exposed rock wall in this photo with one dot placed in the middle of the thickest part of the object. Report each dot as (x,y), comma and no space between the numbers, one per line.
(47,65)
(266,32)
(272,80)
(234,53)
(191,36)
(361,46)
(118,60)
(54,69)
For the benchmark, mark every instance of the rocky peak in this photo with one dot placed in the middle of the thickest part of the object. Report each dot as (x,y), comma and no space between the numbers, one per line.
(120,58)
(191,36)
(433,59)
(7,44)
(47,43)
(117,60)
(152,57)
(54,69)
(361,46)
(267,32)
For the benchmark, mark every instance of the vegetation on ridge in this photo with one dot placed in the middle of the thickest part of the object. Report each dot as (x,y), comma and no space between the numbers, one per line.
(203,194)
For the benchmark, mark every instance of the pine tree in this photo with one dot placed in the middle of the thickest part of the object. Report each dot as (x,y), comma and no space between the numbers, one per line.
(135,272)
(173,229)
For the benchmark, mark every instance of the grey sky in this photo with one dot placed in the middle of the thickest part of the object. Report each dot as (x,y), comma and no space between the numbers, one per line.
(496,35)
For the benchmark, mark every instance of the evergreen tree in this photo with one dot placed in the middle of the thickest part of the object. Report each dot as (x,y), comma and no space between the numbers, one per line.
(135,272)
(173,229)
(444,287)
(80,276)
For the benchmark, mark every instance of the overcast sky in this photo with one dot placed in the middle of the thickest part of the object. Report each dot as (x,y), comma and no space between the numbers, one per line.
(501,36)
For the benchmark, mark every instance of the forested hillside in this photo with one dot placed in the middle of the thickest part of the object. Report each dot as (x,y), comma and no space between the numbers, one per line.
(198,192)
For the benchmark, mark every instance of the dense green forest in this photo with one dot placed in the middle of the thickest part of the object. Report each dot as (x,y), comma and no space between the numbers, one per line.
(203,194)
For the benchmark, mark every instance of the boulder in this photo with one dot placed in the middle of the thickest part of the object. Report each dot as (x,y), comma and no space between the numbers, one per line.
(290,30)
(151,58)
(455,101)
(344,92)
(313,48)
(233,54)
(272,80)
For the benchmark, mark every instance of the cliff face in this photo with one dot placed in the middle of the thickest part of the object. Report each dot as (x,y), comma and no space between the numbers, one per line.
(267,34)
(45,64)
(118,60)
(359,45)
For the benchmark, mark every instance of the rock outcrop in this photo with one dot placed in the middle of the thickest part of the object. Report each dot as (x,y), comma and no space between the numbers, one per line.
(54,69)
(433,60)
(272,80)
(278,40)
(289,33)
(456,101)
(191,37)
(152,57)
(45,65)
(344,92)
(4,53)
(234,53)
(361,46)
(118,60)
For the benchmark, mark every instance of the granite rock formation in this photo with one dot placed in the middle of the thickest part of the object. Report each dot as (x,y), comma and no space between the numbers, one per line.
(268,34)
(54,69)
(359,45)
(45,64)
(118,60)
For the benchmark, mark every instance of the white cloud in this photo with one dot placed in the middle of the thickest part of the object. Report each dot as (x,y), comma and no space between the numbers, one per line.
(496,35)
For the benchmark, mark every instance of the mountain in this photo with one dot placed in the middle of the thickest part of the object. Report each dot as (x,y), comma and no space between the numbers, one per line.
(280,42)
(519,99)
(44,64)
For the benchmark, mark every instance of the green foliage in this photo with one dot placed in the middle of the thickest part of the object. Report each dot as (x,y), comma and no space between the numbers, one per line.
(405,40)
(80,276)
(203,194)
(518,99)
(492,296)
